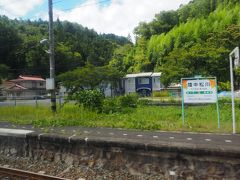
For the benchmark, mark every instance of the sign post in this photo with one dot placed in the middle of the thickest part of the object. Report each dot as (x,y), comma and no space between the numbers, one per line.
(234,53)
(199,90)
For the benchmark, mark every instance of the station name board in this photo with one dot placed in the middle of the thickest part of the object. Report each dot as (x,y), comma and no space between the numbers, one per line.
(199,90)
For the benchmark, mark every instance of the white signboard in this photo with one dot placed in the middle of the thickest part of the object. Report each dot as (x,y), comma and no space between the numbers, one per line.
(199,90)
(50,84)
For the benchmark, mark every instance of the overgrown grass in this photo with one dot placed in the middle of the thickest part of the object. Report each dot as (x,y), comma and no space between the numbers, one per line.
(199,118)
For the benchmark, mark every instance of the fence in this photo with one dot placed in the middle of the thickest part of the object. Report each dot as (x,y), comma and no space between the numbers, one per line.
(29,101)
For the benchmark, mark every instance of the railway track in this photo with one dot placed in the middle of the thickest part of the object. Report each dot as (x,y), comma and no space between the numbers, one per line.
(13,174)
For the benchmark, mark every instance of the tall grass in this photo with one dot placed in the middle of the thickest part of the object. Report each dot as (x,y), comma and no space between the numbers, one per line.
(197,118)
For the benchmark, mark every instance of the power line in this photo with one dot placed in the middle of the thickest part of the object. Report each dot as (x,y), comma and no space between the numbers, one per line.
(68,9)
(35,16)
(56,2)
(89,4)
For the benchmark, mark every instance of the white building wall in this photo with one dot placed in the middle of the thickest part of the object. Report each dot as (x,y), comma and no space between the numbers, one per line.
(130,85)
(108,90)
(156,83)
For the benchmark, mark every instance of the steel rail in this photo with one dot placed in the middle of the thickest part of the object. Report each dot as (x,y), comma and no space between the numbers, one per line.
(26,174)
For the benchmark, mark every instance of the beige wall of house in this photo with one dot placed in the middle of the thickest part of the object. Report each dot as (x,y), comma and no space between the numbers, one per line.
(33,84)
(24,87)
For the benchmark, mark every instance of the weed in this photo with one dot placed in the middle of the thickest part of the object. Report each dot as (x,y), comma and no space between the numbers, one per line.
(198,118)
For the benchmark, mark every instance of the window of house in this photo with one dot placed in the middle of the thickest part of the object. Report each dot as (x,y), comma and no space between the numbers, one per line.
(131,80)
(156,80)
(41,84)
(34,84)
(143,80)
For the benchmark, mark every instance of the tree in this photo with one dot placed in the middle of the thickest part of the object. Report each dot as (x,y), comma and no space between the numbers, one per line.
(76,46)
(66,58)
(3,72)
(162,23)
(89,77)
(204,59)
(10,41)
(120,59)
(140,61)
(207,40)
(175,67)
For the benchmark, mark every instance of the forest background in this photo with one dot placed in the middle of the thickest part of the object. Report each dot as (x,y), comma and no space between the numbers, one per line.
(193,40)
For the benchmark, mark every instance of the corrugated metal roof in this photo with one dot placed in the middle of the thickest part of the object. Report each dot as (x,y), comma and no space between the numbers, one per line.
(145,74)
(156,74)
(131,76)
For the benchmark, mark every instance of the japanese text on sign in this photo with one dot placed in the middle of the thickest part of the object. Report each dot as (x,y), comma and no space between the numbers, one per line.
(199,90)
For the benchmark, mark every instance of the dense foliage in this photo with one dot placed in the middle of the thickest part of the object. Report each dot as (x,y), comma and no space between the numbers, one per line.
(89,99)
(90,77)
(76,46)
(94,100)
(193,40)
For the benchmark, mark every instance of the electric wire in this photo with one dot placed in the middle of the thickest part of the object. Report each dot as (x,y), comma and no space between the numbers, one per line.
(56,2)
(68,9)
(89,4)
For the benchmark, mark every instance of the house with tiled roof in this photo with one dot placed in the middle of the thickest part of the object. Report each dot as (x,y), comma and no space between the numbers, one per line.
(25,86)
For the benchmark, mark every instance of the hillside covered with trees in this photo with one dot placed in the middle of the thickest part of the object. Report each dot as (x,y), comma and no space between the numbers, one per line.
(76,46)
(193,40)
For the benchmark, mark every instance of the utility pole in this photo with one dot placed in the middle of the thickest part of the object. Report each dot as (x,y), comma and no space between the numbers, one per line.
(51,56)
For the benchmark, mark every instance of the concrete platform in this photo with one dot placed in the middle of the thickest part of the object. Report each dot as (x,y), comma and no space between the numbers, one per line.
(186,155)
(14,132)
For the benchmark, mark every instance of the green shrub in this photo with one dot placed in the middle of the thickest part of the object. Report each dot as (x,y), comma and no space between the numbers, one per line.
(110,105)
(94,100)
(228,100)
(144,102)
(161,93)
(121,104)
(90,99)
(224,100)
(172,100)
(129,100)
(224,86)
(127,110)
